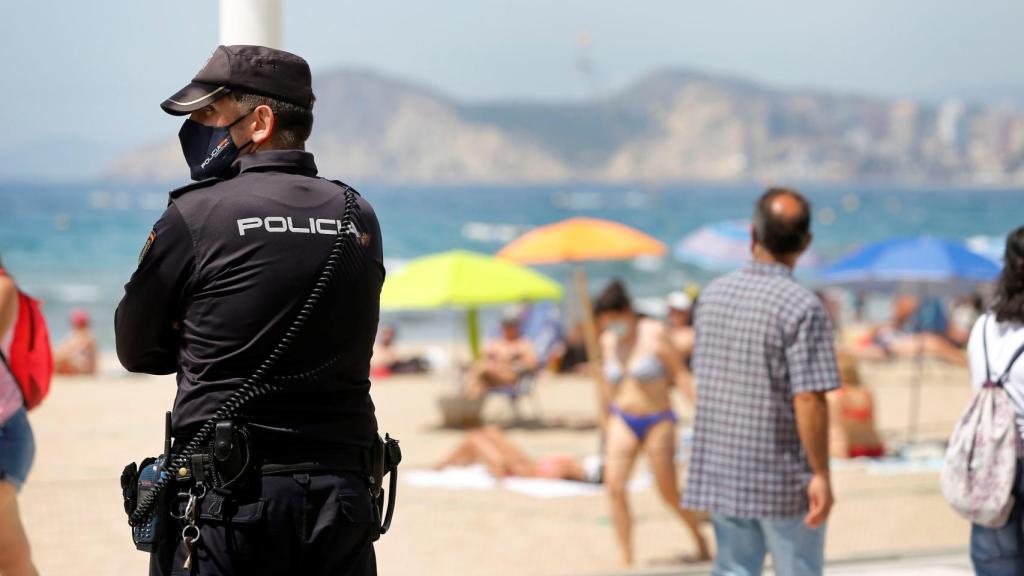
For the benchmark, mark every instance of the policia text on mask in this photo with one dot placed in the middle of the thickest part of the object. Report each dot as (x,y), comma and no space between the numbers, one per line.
(270,336)
(209,150)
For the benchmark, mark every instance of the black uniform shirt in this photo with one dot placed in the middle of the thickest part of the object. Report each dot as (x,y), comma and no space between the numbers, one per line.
(224,272)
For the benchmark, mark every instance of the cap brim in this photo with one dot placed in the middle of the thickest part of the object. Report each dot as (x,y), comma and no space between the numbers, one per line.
(193,97)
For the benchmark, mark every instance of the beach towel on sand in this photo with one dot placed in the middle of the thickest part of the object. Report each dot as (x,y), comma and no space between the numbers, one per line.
(981,460)
(476,477)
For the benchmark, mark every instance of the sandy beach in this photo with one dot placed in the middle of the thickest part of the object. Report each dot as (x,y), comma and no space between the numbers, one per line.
(90,427)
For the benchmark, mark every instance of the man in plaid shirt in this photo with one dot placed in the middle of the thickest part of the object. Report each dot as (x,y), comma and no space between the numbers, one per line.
(763,360)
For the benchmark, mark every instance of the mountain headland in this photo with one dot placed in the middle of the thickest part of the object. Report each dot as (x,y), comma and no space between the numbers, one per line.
(671,126)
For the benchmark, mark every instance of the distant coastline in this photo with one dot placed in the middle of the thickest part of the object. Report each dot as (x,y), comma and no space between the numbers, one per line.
(671,127)
(866,184)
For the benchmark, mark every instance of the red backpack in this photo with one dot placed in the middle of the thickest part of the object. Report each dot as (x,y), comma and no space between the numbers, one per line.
(31,361)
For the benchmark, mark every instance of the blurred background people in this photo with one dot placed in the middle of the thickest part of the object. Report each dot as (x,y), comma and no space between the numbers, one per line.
(76,354)
(679,323)
(852,431)
(503,360)
(387,361)
(570,355)
(963,315)
(1000,334)
(17,446)
(914,330)
(640,369)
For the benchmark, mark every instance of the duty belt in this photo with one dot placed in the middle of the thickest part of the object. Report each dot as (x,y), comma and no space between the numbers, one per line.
(343,458)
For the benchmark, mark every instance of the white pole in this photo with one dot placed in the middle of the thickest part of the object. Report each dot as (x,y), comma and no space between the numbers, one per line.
(251,22)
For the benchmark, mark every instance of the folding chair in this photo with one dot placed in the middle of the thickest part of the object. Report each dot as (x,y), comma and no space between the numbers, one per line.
(523,387)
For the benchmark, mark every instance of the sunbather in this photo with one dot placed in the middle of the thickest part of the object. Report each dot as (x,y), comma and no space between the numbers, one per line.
(386,361)
(502,362)
(76,354)
(491,446)
(902,338)
(852,431)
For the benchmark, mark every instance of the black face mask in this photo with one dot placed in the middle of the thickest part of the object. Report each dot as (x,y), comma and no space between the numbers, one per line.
(209,150)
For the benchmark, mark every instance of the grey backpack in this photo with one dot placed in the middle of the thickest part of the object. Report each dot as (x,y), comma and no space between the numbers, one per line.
(981,460)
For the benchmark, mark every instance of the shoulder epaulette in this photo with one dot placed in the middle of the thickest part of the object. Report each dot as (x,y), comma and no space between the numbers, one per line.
(343,185)
(205,183)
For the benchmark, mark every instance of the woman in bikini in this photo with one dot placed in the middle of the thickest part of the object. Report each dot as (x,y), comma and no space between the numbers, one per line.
(640,368)
(851,415)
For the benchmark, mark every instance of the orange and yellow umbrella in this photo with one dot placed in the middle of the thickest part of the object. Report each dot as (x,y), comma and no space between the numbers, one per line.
(581,239)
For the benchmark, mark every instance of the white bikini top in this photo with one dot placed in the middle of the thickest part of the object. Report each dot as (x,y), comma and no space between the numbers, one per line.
(646,369)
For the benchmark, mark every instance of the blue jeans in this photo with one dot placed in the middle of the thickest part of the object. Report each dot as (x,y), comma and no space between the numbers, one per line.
(1000,551)
(743,543)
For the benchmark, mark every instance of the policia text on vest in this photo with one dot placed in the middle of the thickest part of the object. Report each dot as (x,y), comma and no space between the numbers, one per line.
(285,224)
(259,287)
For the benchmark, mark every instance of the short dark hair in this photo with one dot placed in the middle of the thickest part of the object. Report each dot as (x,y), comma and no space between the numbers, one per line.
(614,298)
(293,123)
(781,235)
(1008,305)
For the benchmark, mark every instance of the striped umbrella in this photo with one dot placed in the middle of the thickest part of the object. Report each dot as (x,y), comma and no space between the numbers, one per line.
(723,246)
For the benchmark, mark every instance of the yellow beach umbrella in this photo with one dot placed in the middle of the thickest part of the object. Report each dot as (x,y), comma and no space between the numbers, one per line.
(462,279)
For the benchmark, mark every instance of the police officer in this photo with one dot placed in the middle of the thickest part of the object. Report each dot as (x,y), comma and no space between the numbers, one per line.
(221,278)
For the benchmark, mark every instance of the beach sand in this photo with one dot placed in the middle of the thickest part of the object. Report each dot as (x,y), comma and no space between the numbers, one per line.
(89,428)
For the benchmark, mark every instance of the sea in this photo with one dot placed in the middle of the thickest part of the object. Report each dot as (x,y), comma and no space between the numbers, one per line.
(74,245)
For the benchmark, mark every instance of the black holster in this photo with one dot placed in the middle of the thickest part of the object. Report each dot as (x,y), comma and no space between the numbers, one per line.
(229,461)
(385,456)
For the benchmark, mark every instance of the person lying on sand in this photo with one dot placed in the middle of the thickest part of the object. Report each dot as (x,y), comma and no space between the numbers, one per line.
(490,446)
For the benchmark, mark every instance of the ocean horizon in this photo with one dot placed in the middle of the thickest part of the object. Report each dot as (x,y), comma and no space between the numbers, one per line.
(75,244)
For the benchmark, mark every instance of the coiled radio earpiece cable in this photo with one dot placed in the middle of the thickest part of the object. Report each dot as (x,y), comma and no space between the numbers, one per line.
(257,385)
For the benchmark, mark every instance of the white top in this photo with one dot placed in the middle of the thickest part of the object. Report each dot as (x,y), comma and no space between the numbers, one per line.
(10,393)
(1003,342)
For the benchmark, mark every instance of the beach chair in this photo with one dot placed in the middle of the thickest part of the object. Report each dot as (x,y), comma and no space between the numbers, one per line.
(523,388)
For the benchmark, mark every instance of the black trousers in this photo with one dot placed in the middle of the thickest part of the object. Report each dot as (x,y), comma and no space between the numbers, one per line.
(309,524)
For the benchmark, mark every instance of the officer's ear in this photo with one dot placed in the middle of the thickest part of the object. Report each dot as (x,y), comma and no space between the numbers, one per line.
(263,125)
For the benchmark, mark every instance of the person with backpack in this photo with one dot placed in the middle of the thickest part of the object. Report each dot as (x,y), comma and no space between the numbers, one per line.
(995,350)
(17,446)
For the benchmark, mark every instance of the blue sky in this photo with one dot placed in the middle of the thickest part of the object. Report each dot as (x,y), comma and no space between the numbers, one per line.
(82,76)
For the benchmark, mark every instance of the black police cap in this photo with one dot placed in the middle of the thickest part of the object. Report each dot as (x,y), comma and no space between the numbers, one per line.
(253,69)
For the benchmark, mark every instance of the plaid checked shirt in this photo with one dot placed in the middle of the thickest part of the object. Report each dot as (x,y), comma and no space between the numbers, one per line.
(761,338)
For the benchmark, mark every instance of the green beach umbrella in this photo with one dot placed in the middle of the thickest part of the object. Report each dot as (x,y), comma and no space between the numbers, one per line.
(463,279)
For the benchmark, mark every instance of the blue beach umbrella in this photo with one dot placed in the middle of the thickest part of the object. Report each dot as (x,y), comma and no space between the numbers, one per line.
(723,246)
(908,262)
(926,264)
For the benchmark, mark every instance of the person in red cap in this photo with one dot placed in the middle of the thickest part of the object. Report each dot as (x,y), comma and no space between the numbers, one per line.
(259,287)
(76,354)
